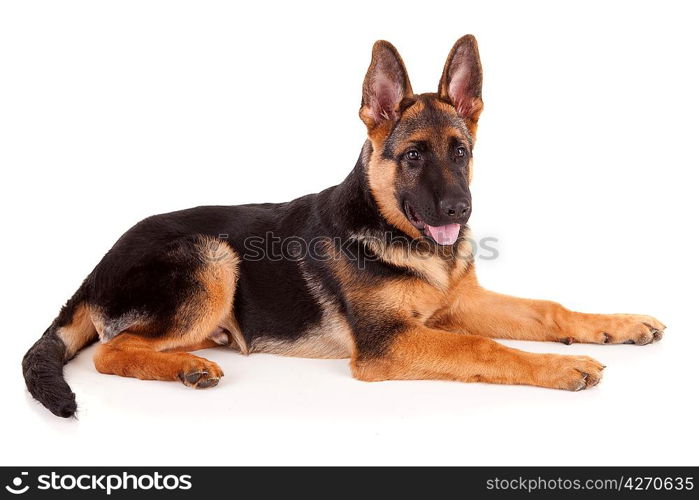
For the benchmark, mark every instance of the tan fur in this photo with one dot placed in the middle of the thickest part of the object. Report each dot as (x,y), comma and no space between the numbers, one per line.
(218,277)
(472,122)
(475,310)
(463,261)
(424,353)
(134,356)
(382,178)
(412,298)
(79,332)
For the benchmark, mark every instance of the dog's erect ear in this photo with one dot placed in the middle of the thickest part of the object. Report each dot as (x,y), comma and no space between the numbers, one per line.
(462,80)
(385,85)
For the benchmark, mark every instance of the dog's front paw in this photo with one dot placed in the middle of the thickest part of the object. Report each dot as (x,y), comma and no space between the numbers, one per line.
(615,329)
(632,329)
(571,373)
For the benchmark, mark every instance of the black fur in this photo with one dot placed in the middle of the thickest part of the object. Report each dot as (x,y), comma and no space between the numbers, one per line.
(42,365)
(43,372)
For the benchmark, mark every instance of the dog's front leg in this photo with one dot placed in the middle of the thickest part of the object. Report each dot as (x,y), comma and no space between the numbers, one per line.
(478,311)
(418,352)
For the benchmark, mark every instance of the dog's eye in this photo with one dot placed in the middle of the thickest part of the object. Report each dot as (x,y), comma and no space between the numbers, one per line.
(412,155)
(460,151)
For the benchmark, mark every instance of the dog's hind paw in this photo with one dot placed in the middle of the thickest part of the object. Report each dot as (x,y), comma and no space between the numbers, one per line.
(202,377)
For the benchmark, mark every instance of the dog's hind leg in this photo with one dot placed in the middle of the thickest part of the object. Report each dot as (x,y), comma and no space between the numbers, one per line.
(131,355)
(152,344)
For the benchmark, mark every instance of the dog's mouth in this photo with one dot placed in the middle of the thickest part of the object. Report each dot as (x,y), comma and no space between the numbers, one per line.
(442,235)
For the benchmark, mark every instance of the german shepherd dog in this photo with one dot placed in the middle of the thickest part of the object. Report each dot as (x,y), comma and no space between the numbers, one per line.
(381,270)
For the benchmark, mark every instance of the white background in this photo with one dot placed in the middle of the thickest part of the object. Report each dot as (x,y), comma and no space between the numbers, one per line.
(586,172)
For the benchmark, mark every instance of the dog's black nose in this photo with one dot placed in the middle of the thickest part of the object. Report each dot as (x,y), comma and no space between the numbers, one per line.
(455,208)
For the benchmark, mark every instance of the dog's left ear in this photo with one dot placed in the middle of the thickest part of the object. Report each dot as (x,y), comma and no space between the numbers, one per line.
(462,80)
(385,85)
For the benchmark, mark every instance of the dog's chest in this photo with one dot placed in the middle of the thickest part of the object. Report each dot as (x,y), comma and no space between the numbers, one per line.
(430,290)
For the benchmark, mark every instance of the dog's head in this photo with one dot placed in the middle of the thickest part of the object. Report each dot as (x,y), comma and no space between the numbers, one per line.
(422,144)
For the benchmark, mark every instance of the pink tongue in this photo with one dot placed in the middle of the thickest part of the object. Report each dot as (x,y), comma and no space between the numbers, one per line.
(444,235)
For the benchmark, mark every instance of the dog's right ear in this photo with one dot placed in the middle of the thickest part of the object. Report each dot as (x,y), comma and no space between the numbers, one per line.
(385,85)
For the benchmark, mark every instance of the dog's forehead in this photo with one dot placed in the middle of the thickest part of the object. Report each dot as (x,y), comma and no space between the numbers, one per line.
(427,119)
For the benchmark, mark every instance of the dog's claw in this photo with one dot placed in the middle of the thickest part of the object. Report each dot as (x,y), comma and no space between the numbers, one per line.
(567,340)
(583,382)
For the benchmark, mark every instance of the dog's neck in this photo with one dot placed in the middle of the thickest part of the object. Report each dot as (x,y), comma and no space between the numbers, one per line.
(356,204)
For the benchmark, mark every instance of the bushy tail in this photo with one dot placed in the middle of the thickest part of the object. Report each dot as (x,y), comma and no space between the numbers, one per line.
(43,373)
(43,364)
